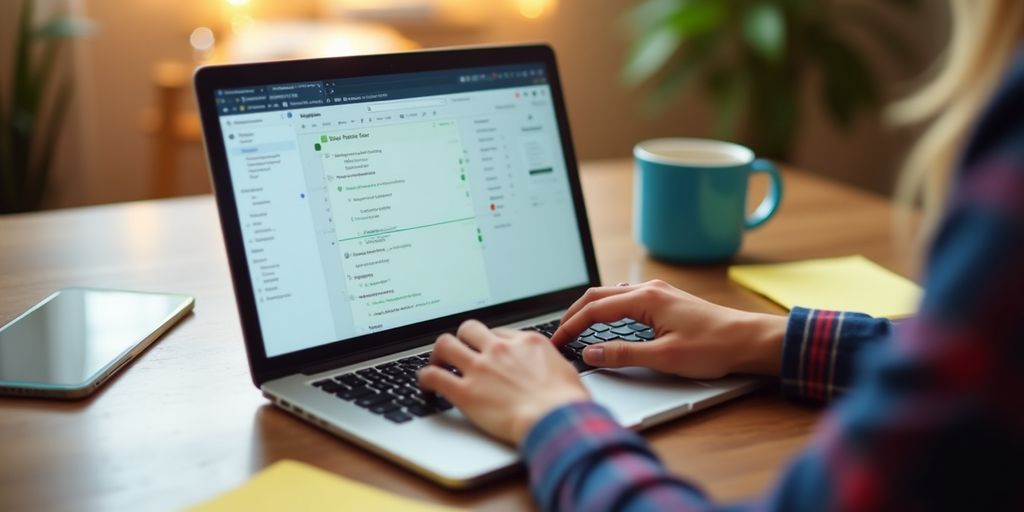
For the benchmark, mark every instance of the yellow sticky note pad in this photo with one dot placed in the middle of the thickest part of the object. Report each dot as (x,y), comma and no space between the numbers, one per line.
(850,283)
(294,486)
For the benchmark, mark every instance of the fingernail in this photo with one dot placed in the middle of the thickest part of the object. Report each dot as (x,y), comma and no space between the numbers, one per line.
(593,355)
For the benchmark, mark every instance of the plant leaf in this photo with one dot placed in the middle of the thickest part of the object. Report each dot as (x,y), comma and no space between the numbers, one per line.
(46,144)
(40,77)
(6,159)
(691,20)
(652,51)
(764,30)
(698,17)
(849,84)
(890,37)
(907,4)
(61,27)
(19,118)
(678,76)
(649,14)
(730,94)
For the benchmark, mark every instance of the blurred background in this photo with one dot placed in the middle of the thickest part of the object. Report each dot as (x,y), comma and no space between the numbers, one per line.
(96,103)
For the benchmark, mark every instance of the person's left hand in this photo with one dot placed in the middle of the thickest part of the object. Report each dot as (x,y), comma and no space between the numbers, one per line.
(509,379)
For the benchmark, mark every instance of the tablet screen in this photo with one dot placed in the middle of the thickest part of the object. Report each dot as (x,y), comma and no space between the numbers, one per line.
(73,335)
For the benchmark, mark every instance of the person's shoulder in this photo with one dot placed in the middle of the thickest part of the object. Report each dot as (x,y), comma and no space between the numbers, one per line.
(999,132)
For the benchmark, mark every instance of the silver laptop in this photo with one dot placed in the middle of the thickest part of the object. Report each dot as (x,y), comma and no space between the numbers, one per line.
(370,203)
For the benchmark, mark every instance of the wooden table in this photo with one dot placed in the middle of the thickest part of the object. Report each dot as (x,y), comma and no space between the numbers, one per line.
(184,422)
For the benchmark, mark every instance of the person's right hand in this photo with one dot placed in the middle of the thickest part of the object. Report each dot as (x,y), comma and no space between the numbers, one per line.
(694,338)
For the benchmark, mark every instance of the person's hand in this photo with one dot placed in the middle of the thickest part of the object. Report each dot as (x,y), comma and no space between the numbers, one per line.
(509,379)
(695,338)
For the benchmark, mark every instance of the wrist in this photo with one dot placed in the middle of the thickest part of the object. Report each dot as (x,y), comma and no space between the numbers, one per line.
(529,417)
(761,337)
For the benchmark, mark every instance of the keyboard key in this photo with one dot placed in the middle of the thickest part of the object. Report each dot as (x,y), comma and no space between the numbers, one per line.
(606,336)
(410,359)
(622,331)
(350,379)
(372,400)
(384,408)
(599,327)
(420,410)
(402,379)
(425,357)
(408,402)
(567,353)
(355,393)
(620,323)
(383,385)
(333,387)
(366,372)
(384,366)
(398,416)
(586,333)
(631,337)
(637,326)
(403,391)
(437,402)
(576,345)
(590,340)
(646,334)
(580,365)
(321,383)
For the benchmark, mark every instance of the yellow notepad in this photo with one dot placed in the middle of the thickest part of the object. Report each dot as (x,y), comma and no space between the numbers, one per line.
(294,486)
(850,283)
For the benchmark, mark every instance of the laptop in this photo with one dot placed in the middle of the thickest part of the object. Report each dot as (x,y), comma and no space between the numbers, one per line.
(371,203)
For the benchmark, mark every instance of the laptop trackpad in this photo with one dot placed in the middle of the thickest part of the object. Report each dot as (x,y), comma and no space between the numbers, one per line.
(635,394)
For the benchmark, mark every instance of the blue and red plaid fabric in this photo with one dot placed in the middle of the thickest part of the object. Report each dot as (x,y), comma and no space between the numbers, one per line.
(932,410)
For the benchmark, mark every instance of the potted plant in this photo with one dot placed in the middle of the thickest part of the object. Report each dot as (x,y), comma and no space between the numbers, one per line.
(29,125)
(751,57)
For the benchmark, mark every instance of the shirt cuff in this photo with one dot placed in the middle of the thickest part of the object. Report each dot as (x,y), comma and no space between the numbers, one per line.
(567,437)
(820,350)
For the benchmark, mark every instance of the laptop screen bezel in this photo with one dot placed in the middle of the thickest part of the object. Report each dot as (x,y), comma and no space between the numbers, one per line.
(351,350)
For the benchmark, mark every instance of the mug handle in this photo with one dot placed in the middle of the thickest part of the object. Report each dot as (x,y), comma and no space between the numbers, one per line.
(770,203)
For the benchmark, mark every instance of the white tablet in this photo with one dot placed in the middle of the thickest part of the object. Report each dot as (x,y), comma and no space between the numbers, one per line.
(73,340)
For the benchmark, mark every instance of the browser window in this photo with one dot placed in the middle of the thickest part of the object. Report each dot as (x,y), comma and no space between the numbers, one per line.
(376,202)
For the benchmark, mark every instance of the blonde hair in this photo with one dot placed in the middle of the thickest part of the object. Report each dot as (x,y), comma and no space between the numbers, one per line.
(984,36)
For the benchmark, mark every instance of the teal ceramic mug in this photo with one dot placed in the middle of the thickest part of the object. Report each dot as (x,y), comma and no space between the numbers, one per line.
(690,195)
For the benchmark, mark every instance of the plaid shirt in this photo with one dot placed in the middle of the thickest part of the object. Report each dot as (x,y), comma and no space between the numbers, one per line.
(935,420)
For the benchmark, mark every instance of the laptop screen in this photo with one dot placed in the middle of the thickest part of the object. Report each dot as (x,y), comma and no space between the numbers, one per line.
(376,202)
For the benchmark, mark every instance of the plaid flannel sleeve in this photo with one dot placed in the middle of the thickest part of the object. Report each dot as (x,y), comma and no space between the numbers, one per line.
(579,458)
(935,421)
(821,348)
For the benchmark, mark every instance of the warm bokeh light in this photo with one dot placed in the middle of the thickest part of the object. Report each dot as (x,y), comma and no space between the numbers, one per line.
(201,39)
(238,3)
(534,9)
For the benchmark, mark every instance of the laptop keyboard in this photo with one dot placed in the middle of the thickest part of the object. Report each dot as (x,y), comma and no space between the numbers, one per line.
(390,389)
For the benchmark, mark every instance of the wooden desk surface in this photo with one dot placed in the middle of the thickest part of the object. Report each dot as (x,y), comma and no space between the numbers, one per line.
(184,422)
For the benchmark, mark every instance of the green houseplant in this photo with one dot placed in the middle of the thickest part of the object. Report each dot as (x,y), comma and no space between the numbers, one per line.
(29,125)
(751,58)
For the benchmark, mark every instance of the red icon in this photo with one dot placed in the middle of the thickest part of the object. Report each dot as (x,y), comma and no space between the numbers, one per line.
(493,207)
